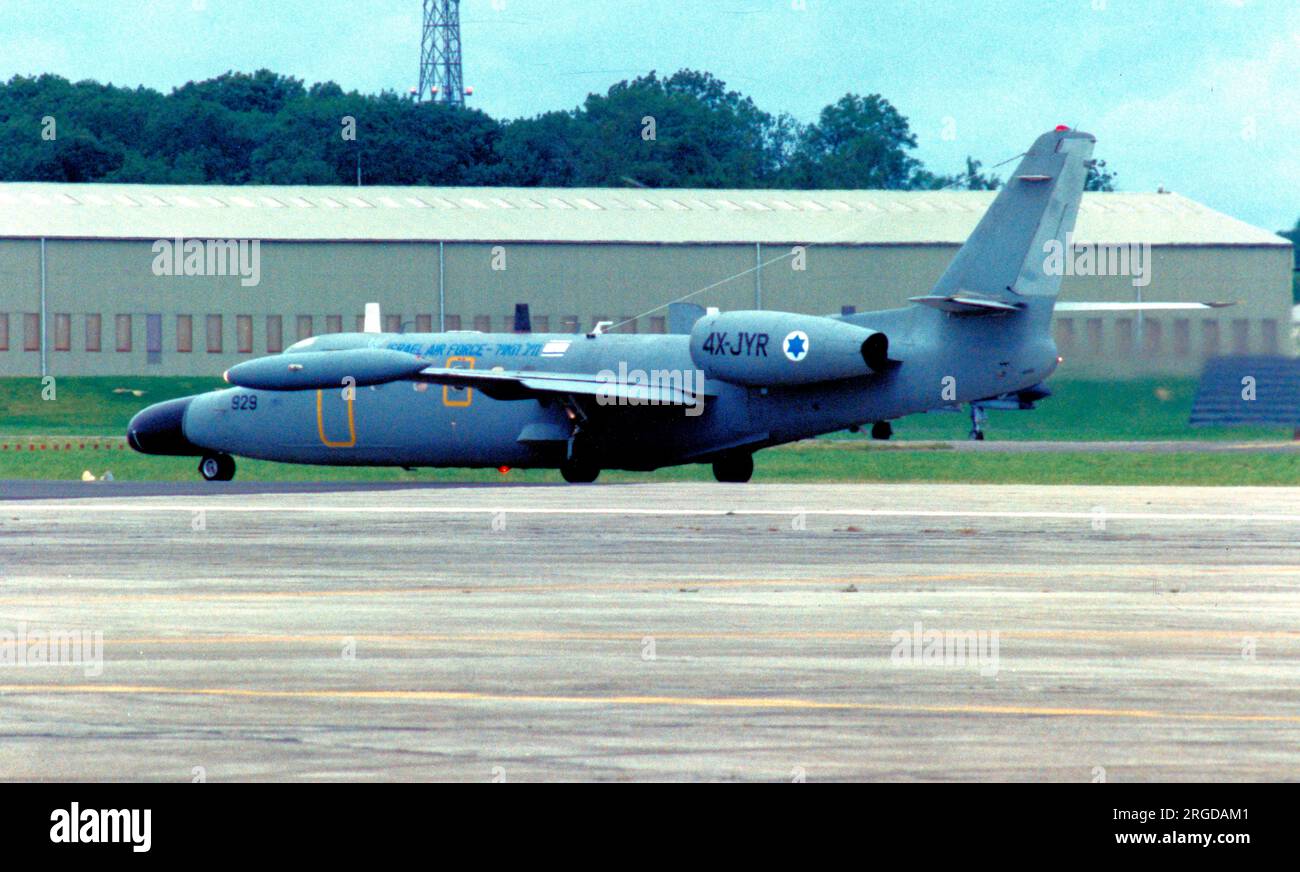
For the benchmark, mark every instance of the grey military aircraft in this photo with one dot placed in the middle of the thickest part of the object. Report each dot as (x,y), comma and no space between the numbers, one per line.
(722,386)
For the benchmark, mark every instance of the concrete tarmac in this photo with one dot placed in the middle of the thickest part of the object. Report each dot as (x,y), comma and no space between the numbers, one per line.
(658,631)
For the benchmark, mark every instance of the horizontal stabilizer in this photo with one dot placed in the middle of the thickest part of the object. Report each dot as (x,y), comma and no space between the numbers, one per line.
(504,385)
(967,304)
(1136,307)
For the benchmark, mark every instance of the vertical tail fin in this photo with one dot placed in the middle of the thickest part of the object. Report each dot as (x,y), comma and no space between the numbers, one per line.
(1008,250)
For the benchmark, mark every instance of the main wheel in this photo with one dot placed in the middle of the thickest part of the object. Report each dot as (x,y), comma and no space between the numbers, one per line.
(217,467)
(576,472)
(882,430)
(734,469)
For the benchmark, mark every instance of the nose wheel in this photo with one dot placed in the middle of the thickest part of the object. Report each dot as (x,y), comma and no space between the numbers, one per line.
(217,467)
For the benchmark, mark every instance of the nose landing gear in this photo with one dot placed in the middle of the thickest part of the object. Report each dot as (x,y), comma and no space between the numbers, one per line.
(217,467)
(979,416)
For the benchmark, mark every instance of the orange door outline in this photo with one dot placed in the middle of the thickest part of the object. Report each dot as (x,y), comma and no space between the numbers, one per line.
(320,421)
(469,392)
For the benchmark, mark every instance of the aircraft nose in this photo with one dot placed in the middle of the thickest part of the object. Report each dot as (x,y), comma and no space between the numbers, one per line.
(159,429)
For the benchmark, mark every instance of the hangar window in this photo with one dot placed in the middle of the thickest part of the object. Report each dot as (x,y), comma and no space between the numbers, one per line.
(62,332)
(1065,335)
(214,334)
(122,327)
(452,322)
(1182,337)
(483,323)
(304,327)
(1124,336)
(1094,336)
(658,324)
(1268,336)
(628,322)
(185,333)
(4,331)
(423,323)
(94,332)
(541,323)
(333,323)
(392,323)
(1152,335)
(274,334)
(244,334)
(1210,338)
(31,331)
(569,324)
(1240,336)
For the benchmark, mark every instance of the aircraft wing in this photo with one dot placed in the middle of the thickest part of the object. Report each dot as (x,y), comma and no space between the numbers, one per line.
(1137,307)
(967,304)
(527,385)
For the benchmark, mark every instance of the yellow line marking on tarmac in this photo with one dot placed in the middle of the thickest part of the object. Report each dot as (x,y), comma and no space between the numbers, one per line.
(725,702)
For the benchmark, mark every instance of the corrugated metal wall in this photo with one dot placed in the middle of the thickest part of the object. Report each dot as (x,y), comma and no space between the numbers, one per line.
(107,290)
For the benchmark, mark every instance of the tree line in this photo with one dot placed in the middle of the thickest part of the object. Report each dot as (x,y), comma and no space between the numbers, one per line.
(684,130)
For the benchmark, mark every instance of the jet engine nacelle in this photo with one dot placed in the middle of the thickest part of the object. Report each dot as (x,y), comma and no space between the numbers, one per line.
(318,370)
(784,348)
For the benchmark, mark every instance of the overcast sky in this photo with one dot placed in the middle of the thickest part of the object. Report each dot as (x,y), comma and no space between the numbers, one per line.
(1201,96)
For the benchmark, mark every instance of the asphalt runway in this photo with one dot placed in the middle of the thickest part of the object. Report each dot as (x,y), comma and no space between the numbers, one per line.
(660,631)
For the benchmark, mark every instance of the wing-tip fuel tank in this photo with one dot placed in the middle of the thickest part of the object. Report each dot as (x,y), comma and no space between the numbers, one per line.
(318,370)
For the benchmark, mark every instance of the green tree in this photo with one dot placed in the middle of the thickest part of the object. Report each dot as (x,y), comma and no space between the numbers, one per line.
(1294,235)
(857,142)
(1099,178)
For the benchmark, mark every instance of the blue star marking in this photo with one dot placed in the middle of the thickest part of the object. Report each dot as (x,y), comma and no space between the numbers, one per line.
(794,345)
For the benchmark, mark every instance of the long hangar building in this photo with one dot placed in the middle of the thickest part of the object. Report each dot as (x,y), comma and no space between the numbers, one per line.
(85,289)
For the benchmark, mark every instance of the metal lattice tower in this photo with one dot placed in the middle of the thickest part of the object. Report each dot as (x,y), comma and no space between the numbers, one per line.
(440,53)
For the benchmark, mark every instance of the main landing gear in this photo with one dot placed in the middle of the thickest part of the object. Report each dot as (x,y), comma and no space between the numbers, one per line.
(882,430)
(979,416)
(217,467)
(576,471)
(734,468)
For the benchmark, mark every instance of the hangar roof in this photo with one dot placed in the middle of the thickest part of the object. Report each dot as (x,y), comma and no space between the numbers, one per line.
(630,215)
